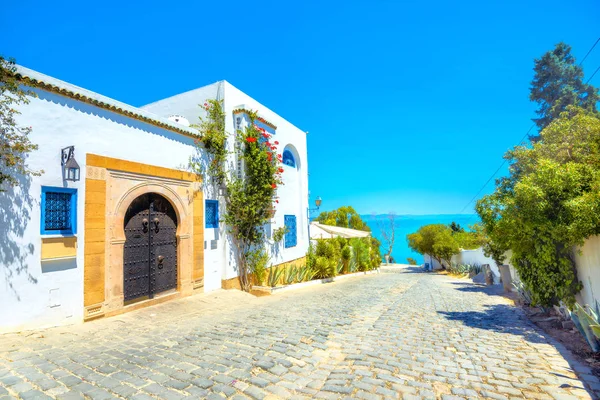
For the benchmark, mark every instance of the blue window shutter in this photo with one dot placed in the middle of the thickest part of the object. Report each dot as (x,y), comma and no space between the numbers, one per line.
(288,158)
(58,211)
(211,214)
(291,238)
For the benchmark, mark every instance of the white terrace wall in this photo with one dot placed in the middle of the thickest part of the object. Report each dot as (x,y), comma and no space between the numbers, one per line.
(35,293)
(588,271)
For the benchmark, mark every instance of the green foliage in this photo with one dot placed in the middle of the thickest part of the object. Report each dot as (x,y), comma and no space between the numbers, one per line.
(279,234)
(346,255)
(469,240)
(257,260)
(360,248)
(14,140)
(249,200)
(456,228)
(324,268)
(436,240)
(548,205)
(305,273)
(214,139)
(290,275)
(463,269)
(274,276)
(411,261)
(345,217)
(586,321)
(558,83)
(374,251)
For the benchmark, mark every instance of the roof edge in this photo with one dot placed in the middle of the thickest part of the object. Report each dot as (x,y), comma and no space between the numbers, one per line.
(38,80)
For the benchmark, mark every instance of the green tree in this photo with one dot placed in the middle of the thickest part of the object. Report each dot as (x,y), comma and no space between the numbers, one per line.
(345,217)
(14,139)
(548,205)
(558,83)
(436,240)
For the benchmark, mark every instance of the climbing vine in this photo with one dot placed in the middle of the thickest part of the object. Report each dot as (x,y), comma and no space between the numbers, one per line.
(249,197)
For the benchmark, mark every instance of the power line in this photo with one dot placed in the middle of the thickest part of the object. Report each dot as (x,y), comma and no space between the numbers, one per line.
(529,130)
(494,174)
(590,78)
(589,51)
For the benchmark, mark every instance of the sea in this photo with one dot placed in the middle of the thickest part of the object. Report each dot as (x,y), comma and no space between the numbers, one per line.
(406,224)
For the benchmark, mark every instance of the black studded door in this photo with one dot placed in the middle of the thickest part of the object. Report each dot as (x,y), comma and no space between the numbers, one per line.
(150,253)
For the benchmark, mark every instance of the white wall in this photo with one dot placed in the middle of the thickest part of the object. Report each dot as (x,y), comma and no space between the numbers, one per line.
(27,284)
(588,271)
(293,195)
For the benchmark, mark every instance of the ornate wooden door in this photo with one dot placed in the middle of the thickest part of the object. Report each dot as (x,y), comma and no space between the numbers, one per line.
(150,253)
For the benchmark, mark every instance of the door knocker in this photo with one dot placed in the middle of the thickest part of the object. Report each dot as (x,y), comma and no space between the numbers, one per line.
(160,262)
(145,225)
(156,222)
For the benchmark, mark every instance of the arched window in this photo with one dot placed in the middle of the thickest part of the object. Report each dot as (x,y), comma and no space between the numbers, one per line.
(288,158)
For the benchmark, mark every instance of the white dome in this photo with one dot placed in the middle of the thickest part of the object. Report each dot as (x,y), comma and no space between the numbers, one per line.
(179,119)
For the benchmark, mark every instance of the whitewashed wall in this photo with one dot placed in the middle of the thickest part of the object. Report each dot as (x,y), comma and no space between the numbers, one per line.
(588,271)
(293,194)
(32,293)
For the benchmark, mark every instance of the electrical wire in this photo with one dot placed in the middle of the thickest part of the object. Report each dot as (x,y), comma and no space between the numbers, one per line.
(526,134)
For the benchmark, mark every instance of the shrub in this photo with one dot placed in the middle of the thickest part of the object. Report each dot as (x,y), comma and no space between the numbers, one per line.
(346,256)
(411,261)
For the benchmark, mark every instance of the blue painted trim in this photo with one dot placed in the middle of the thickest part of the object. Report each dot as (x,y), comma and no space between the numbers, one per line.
(215,223)
(73,216)
(288,159)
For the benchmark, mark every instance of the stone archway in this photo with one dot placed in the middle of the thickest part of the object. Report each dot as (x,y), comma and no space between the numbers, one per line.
(111,188)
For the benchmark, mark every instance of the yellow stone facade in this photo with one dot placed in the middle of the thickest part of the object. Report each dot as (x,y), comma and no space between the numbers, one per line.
(111,185)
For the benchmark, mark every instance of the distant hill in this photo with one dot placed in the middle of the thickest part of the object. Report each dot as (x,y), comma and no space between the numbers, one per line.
(406,224)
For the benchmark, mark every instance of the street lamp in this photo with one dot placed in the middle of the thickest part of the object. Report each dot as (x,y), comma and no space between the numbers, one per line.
(318,202)
(70,166)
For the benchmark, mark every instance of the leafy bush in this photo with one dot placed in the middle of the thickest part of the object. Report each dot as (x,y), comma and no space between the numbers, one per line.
(324,268)
(411,261)
(346,256)
(258,260)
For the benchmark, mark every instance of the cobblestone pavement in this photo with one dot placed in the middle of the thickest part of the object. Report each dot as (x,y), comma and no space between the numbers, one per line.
(390,335)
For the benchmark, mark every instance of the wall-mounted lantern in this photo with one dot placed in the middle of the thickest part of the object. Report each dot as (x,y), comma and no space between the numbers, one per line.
(318,202)
(70,166)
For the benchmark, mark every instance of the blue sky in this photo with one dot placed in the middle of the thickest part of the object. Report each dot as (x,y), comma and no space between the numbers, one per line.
(409,105)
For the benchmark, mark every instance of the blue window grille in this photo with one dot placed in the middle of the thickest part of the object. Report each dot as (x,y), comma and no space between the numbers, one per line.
(211,214)
(291,238)
(59,211)
(288,158)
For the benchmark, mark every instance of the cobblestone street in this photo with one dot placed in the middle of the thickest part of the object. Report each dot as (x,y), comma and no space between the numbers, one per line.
(389,335)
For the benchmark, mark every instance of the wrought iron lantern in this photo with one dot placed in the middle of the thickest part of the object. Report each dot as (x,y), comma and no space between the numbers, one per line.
(70,166)
(318,202)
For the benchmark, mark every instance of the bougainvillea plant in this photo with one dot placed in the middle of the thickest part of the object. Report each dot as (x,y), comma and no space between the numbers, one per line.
(249,197)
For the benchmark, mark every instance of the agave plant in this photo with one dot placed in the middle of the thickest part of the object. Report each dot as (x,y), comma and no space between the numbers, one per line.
(340,268)
(587,323)
(290,275)
(352,266)
(274,276)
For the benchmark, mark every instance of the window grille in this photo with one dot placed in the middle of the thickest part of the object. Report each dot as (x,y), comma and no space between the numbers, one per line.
(211,214)
(59,211)
(290,234)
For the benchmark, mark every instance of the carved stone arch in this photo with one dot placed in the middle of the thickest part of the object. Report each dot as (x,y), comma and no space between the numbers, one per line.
(143,188)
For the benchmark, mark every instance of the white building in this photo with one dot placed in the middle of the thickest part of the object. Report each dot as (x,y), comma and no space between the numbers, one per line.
(136,228)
